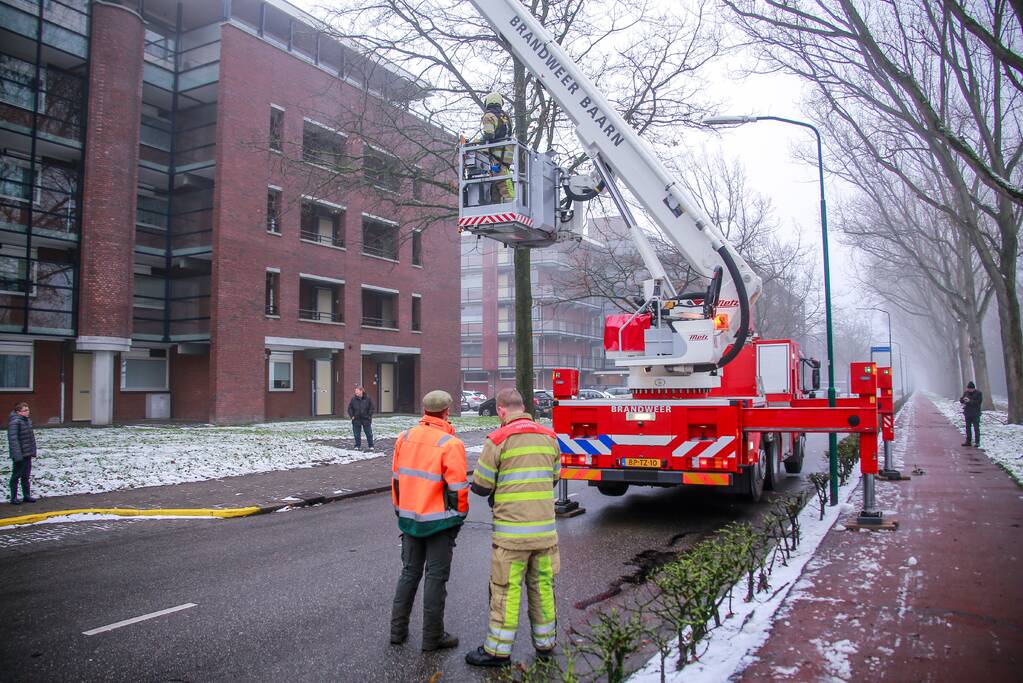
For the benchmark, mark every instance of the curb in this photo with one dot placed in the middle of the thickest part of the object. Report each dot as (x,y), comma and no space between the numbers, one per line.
(224,513)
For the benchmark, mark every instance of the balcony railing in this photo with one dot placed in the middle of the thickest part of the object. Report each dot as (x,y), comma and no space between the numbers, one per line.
(387,323)
(388,251)
(319,316)
(330,240)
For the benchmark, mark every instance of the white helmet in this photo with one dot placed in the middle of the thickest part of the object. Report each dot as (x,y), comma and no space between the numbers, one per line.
(493,98)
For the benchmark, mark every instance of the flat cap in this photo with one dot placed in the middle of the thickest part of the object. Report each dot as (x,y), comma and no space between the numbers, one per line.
(436,401)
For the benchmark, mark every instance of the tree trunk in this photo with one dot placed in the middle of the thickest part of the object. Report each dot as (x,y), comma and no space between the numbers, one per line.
(523,327)
(1012,346)
(523,284)
(979,357)
(963,349)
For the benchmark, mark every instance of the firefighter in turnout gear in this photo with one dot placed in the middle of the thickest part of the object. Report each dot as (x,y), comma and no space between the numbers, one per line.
(517,471)
(496,126)
(430,492)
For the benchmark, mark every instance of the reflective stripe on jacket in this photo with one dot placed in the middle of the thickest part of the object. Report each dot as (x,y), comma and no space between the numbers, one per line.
(429,487)
(520,471)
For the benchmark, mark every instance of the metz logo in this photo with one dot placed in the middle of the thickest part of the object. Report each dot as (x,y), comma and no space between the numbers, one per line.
(727,303)
(698,337)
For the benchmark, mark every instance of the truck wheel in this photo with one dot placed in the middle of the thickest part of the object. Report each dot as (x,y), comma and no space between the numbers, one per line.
(613,488)
(794,464)
(771,471)
(752,483)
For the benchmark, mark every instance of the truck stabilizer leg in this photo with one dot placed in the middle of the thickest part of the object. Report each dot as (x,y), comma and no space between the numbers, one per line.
(564,506)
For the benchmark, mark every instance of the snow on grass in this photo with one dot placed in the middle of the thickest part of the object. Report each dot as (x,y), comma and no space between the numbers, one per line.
(73,460)
(1001,442)
(731,647)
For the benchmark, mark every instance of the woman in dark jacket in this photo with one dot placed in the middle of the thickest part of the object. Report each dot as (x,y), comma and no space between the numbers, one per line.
(21,439)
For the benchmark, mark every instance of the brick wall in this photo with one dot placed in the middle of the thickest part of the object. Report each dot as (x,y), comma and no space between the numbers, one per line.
(189,385)
(44,399)
(111,172)
(254,75)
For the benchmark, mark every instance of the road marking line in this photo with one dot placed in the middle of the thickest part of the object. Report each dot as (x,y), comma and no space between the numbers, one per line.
(572,495)
(135,620)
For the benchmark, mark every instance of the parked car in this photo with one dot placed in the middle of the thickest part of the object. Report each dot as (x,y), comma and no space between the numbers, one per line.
(618,392)
(592,394)
(471,400)
(488,407)
(543,399)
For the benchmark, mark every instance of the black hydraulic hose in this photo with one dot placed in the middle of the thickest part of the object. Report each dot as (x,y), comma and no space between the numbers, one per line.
(744,315)
(583,196)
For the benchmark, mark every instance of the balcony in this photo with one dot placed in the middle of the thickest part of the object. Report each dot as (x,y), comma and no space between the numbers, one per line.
(321,300)
(322,223)
(379,238)
(379,308)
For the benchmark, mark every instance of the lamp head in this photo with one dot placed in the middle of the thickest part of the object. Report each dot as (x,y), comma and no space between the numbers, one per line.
(728,120)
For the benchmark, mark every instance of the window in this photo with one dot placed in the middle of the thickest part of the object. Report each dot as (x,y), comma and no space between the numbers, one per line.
(273,211)
(381,169)
(16,179)
(322,223)
(276,128)
(417,184)
(17,272)
(417,310)
(144,370)
(16,82)
(273,285)
(149,292)
(379,237)
(417,247)
(476,376)
(322,146)
(16,367)
(280,371)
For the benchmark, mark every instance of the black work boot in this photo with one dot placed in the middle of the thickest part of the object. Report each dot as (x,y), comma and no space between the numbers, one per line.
(443,643)
(398,637)
(967,444)
(545,655)
(480,657)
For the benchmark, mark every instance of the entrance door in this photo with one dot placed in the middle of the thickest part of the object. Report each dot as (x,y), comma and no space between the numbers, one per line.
(81,386)
(324,304)
(322,388)
(387,387)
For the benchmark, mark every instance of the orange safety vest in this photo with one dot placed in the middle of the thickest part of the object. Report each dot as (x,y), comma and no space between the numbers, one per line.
(429,486)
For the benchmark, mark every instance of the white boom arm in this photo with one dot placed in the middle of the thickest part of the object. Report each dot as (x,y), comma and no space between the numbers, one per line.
(621,153)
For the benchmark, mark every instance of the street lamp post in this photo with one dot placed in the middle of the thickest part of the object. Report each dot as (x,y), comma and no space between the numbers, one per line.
(902,370)
(832,437)
(889,471)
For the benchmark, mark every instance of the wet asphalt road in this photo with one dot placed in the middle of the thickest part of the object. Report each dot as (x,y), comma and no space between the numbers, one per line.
(301,595)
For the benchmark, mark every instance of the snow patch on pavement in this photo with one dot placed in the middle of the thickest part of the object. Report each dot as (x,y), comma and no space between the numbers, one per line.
(74,460)
(1002,442)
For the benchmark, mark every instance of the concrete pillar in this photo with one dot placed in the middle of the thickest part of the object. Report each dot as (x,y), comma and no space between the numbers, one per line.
(102,387)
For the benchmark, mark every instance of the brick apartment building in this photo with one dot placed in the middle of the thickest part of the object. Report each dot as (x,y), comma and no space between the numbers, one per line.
(174,239)
(567,333)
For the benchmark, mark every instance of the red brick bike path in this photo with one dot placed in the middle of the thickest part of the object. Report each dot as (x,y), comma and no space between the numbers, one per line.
(939,599)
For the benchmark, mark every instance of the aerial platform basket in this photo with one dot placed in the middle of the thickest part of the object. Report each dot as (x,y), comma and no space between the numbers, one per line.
(530,217)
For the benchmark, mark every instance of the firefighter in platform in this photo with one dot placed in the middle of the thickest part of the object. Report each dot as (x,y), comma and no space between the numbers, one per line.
(496,126)
(517,471)
(430,492)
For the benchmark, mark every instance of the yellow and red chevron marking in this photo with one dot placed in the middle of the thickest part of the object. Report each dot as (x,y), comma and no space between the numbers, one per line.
(585,474)
(471,221)
(706,478)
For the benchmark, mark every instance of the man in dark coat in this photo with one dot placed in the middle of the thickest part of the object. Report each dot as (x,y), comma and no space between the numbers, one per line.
(21,439)
(971,400)
(360,409)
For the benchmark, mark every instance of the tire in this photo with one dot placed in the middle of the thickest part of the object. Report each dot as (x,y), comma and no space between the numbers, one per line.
(752,484)
(794,464)
(613,488)
(772,473)
(487,412)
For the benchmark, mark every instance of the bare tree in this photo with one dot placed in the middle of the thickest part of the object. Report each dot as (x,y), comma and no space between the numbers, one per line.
(647,55)
(917,89)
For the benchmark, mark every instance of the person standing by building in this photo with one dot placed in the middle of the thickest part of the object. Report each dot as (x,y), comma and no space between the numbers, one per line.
(972,399)
(21,438)
(360,409)
(430,492)
(517,471)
